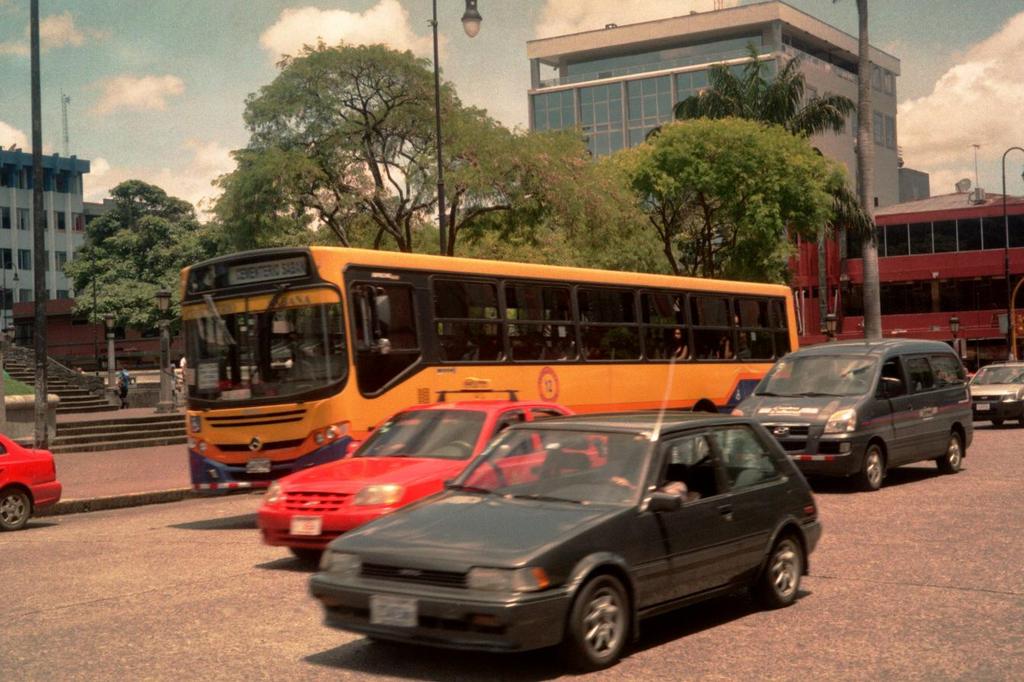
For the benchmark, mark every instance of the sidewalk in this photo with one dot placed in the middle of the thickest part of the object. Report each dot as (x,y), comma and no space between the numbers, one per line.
(121,478)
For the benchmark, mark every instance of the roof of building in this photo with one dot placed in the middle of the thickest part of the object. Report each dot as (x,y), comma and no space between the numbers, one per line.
(702,23)
(957,201)
(18,157)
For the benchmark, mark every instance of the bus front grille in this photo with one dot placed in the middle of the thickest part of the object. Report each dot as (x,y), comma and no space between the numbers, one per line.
(265,419)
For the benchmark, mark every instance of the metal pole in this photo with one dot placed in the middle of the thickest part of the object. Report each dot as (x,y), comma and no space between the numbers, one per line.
(442,223)
(39,219)
(165,404)
(1011,350)
(111,381)
(95,327)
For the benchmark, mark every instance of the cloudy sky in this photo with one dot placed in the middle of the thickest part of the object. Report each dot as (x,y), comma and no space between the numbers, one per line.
(157,88)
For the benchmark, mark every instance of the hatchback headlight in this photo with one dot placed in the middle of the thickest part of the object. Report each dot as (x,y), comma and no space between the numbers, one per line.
(379,494)
(842,421)
(342,564)
(273,493)
(528,579)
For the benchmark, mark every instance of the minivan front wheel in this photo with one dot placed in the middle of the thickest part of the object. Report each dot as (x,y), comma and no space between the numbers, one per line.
(950,462)
(873,470)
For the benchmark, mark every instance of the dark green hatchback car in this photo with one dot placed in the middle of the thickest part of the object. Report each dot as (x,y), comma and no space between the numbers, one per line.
(571,530)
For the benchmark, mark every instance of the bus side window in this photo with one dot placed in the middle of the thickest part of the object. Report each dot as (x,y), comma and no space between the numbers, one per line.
(386,342)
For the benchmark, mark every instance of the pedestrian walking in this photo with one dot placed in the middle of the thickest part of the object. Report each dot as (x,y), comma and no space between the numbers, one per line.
(124,379)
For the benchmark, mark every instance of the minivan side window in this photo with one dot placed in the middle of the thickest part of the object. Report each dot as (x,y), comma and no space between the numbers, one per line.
(891,375)
(948,370)
(920,373)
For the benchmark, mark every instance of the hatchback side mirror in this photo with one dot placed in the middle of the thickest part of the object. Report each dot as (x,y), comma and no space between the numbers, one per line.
(664,502)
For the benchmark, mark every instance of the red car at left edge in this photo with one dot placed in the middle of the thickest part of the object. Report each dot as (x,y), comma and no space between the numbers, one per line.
(28,481)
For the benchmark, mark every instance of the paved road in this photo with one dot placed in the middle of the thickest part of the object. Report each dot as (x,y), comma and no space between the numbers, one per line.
(117,472)
(921,580)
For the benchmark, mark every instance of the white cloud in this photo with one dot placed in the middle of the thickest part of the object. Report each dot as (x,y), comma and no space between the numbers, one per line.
(191,182)
(386,22)
(55,31)
(558,17)
(137,93)
(977,101)
(10,135)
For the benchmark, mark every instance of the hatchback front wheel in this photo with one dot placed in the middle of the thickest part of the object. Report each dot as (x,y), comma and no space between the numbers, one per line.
(598,625)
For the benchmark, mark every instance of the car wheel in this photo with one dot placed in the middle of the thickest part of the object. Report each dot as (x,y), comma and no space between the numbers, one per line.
(307,555)
(598,625)
(15,509)
(997,421)
(779,582)
(873,470)
(950,462)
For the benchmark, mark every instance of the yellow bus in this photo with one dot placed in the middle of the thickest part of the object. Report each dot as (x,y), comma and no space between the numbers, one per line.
(292,353)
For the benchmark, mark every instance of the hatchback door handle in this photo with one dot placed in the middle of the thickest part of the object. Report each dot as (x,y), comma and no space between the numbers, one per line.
(726,511)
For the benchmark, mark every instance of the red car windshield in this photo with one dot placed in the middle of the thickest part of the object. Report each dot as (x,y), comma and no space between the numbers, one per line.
(438,434)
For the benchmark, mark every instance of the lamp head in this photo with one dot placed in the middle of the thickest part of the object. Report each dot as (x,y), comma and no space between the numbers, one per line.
(954,324)
(471,19)
(108,320)
(15,276)
(830,324)
(163,300)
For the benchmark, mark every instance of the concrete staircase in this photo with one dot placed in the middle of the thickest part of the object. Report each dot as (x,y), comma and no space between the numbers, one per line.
(119,433)
(73,399)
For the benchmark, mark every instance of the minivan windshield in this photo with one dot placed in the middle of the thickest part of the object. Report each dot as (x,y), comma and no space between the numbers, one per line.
(999,374)
(819,375)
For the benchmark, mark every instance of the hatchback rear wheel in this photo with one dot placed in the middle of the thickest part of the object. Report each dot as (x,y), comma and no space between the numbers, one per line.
(598,625)
(15,509)
(779,582)
(950,462)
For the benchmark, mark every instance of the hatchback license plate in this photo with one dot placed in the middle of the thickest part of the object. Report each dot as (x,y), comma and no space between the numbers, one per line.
(257,466)
(306,525)
(982,407)
(395,611)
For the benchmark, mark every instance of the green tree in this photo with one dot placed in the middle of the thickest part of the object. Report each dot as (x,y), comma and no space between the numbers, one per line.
(725,196)
(754,95)
(134,250)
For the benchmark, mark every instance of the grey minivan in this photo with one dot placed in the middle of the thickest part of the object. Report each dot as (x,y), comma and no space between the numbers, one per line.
(858,408)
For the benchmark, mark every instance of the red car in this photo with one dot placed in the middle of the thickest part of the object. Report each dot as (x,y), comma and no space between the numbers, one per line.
(408,457)
(28,480)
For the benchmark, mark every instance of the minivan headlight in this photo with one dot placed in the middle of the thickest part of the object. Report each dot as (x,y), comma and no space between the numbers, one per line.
(842,421)
(529,579)
(342,564)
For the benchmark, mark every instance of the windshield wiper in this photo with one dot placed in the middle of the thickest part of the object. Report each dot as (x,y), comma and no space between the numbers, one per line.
(546,498)
(469,488)
(818,394)
(774,395)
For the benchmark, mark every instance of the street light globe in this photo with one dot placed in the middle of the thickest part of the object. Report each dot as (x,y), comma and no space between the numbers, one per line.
(471,19)
(108,320)
(163,300)
(954,324)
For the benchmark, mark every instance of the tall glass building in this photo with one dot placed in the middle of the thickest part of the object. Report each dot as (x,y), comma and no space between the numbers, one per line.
(618,83)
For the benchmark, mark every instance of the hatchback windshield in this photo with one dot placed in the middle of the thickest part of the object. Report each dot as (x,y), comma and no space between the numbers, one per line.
(439,434)
(819,375)
(579,467)
(999,374)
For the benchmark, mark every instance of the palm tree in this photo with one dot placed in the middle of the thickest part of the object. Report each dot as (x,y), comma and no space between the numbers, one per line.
(780,100)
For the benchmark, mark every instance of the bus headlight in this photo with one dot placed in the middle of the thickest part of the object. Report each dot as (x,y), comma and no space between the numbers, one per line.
(528,579)
(202,447)
(196,423)
(842,421)
(379,494)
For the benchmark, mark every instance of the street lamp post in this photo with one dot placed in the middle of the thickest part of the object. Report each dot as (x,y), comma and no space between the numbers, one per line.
(108,321)
(1011,351)
(4,339)
(958,343)
(471,24)
(163,304)
(830,326)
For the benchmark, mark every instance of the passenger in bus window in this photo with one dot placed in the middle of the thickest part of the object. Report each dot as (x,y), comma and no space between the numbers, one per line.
(680,351)
(724,348)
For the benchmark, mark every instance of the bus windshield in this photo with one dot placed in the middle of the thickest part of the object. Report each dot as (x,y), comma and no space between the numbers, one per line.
(265,347)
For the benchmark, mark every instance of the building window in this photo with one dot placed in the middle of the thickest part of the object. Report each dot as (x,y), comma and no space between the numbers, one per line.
(62,258)
(650,105)
(61,182)
(6,259)
(24,259)
(1016,223)
(896,241)
(62,223)
(944,232)
(890,132)
(920,238)
(993,233)
(889,83)
(969,234)
(601,117)
(62,293)
(554,111)
(78,222)
(24,295)
(5,217)
(876,77)
(878,127)
(24,219)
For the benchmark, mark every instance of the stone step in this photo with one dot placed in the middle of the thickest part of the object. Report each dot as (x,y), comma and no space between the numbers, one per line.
(81,400)
(80,409)
(128,423)
(128,438)
(99,446)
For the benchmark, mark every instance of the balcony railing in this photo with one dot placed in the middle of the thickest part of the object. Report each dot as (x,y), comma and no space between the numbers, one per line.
(807,58)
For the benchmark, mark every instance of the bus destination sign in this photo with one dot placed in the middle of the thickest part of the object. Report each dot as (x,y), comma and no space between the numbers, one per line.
(265,271)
